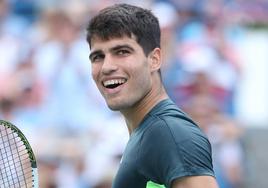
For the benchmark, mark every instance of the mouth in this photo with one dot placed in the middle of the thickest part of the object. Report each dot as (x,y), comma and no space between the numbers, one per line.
(113,83)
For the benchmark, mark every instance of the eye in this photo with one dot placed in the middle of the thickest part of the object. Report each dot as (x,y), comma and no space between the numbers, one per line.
(122,52)
(97,58)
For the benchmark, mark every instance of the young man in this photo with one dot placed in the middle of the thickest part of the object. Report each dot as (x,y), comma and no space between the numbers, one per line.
(165,147)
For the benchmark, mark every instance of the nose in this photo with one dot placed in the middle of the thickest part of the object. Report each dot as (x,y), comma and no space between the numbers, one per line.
(109,65)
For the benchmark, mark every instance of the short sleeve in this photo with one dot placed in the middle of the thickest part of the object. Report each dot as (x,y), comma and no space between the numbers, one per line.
(172,148)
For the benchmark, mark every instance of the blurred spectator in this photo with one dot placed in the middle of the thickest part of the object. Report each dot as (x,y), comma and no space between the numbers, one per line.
(65,72)
(10,23)
(224,134)
(206,71)
(169,21)
(26,9)
(204,49)
(9,27)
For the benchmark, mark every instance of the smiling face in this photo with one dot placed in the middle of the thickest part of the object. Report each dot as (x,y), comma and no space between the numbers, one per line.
(121,71)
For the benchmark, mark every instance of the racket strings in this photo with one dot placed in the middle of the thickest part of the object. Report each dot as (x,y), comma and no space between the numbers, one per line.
(16,158)
(19,176)
(18,165)
(15,167)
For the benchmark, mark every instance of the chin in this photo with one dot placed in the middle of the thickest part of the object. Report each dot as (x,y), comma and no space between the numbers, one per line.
(113,108)
(117,106)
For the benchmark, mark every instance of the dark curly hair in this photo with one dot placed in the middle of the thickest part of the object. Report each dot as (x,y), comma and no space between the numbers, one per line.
(126,20)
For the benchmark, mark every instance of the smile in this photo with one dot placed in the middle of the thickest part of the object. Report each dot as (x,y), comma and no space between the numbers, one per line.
(113,83)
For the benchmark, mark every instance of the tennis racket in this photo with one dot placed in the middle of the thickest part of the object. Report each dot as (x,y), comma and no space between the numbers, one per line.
(18,168)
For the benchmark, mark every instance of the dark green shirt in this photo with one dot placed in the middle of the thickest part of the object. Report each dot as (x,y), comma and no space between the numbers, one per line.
(167,145)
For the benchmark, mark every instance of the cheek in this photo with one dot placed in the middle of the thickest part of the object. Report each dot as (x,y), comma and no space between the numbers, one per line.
(143,76)
(94,72)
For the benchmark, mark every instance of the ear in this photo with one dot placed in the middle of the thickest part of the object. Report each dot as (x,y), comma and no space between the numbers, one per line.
(155,59)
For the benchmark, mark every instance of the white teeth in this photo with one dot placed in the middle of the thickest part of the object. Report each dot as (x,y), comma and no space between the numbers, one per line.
(112,82)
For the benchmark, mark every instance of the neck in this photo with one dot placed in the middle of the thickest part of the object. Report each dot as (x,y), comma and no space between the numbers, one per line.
(135,115)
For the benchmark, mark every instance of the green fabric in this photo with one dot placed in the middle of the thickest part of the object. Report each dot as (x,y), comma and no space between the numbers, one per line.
(151,184)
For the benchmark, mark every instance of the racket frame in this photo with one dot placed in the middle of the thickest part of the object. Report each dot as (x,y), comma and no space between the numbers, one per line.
(28,149)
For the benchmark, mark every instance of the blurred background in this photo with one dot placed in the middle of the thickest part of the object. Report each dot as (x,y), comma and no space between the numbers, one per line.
(215,68)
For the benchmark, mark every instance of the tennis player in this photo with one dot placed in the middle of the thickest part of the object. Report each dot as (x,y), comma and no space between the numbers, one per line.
(166,148)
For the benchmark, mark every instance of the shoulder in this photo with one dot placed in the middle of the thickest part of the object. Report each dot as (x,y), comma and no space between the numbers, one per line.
(167,118)
(177,128)
(176,147)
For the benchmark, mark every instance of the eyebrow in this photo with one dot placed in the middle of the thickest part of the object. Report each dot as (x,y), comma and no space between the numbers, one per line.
(117,47)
